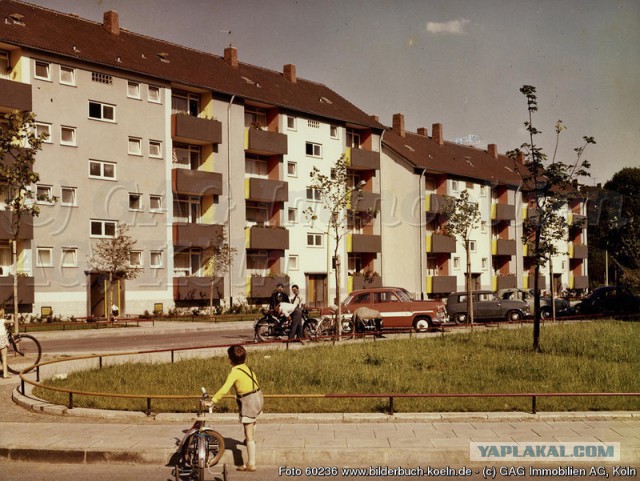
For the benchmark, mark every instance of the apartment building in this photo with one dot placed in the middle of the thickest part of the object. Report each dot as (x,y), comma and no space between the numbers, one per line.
(186,148)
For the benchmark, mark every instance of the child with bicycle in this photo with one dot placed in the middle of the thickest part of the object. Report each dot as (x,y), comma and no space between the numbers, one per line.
(249,398)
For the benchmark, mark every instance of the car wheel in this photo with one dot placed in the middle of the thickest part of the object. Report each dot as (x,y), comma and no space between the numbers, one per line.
(422,324)
(460,318)
(545,313)
(514,316)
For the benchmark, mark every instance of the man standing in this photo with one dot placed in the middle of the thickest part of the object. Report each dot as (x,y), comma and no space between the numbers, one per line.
(278,297)
(297,325)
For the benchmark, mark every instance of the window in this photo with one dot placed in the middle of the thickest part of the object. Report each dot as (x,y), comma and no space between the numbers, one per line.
(67,135)
(314,124)
(292,169)
(44,194)
(155,203)
(135,259)
(102,78)
(68,197)
(314,240)
(154,94)
(43,131)
(257,212)
(456,263)
(135,146)
(187,209)
(69,257)
(293,263)
(44,257)
(99,169)
(135,201)
(103,228)
(187,156)
(5,65)
(313,150)
(333,131)
(67,75)
(43,70)
(483,226)
(133,90)
(100,111)
(156,259)
(472,246)
(254,117)
(485,263)
(353,139)
(292,215)
(483,190)
(454,185)
(187,263)
(185,103)
(313,194)
(291,122)
(155,148)
(255,167)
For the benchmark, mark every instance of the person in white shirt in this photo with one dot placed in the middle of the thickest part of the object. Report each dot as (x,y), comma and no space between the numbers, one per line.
(297,325)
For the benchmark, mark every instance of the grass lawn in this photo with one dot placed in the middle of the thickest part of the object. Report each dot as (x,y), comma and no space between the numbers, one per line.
(601,356)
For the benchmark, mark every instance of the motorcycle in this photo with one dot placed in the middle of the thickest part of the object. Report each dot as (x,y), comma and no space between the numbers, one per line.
(271,327)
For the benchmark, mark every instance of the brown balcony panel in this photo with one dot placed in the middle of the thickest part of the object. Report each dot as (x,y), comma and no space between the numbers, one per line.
(359,282)
(15,96)
(197,288)
(7,228)
(505,247)
(25,290)
(195,130)
(262,287)
(366,202)
(443,284)
(266,190)
(267,143)
(542,282)
(581,282)
(580,220)
(196,182)
(196,235)
(505,212)
(364,160)
(442,244)
(366,243)
(580,251)
(507,282)
(268,238)
(437,203)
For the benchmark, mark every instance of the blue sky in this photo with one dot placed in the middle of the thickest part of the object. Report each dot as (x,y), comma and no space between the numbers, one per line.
(459,63)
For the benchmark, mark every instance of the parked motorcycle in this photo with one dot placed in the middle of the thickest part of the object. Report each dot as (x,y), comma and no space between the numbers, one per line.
(271,327)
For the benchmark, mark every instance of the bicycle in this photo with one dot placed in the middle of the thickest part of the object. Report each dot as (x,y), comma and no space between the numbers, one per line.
(200,448)
(328,326)
(23,352)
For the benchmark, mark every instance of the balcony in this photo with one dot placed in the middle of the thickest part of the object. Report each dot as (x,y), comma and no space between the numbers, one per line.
(196,182)
(359,159)
(503,247)
(263,142)
(15,96)
(578,282)
(263,286)
(362,282)
(578,251)
(266,238)
(365,202)
(529,282)
(505,282)
(441,244)
(503,212)
(196,235)
(441,284)
(434,203)
(266,190)
(197,288)
(363,243)
(195,130)
(7,228)
(25,290)
(577,220)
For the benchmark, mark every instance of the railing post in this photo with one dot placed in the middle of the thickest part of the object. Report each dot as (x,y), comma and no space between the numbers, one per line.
(70,404)
(38,373)
(533,405)
(148,406)
(172,356)
(390,411)
(100,360)
(22,386)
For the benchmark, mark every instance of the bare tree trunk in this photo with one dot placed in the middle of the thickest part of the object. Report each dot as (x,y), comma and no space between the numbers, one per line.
(14,255)
(469,287)
(536,297)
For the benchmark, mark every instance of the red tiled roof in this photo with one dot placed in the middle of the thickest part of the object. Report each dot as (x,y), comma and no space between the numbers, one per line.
(451,158)
(70,36)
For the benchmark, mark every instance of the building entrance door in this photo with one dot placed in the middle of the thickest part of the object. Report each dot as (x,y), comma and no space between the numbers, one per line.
(316,290)
(98,288)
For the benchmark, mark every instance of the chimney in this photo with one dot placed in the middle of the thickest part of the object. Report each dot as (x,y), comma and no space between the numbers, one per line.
(520,157)
(398,124)
(375,117)
(290,73)
(423,131)
(437,135)
(493,150)
(111,23)
(231,55)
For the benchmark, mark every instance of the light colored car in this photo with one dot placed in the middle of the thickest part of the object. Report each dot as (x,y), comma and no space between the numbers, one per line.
(563,307)
(486,306)
(397,308)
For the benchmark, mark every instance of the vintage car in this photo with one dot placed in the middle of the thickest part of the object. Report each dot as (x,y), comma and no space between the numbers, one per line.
(609,300)
(397,308)
(563,307)
(486,306)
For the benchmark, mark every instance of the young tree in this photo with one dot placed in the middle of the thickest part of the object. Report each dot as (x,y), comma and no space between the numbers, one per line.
(112,258)
(549,186)
(19,143)
(217,261)
(336,197)
(463,216)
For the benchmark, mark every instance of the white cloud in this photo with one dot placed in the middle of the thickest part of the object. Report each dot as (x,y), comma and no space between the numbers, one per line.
(454,27)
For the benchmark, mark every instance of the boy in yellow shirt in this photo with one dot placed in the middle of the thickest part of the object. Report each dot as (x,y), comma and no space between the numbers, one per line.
(248,396)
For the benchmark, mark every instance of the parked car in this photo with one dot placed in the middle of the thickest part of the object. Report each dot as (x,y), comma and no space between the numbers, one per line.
(396,307)
(486,306)
(609,300)
(563,307)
